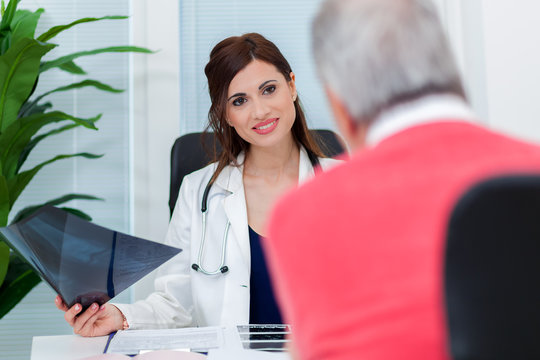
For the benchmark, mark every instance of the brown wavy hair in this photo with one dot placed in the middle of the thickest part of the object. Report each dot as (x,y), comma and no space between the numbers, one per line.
(227,58)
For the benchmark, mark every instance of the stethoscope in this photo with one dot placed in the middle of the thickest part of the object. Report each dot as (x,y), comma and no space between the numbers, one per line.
(222,268)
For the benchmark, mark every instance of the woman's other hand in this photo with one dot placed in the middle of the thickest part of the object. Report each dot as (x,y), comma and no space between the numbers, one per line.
(95,321)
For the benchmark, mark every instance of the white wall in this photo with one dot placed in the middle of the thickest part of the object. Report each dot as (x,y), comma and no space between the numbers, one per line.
(495,42)
(512,65)
(463,21)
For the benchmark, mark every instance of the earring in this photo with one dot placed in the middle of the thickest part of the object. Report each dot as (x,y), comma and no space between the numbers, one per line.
(294,98)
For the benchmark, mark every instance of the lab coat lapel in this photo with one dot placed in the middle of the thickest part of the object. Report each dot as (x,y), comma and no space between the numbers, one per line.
(305,169)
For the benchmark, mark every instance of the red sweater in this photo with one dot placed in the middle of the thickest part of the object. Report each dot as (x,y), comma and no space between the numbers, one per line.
(357,253)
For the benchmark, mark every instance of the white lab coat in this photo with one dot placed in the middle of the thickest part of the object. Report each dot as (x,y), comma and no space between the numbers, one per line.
(185,297)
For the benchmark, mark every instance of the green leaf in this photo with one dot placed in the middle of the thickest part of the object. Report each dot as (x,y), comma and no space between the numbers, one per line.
(85,83)
(19,68)
(29,108)
(5,206)
(17,183)
(24,24)
(35,140)
(72,68)
(78,85)
(5,41)
(6,26)
(16,137)
(52,32)
(64,59)
(63,199)
(4,260)
(20,279)
(7,16)
(78,213)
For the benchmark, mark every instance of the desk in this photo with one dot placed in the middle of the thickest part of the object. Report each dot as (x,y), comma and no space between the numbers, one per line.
(64,347)
(74,347)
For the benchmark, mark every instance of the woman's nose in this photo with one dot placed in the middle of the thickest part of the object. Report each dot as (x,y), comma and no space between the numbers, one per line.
(260,109)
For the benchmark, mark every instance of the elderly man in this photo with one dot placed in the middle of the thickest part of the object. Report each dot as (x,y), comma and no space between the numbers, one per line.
(356,254)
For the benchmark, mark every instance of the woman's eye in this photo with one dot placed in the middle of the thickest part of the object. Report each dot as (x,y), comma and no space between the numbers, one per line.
(270,89)
(239,101)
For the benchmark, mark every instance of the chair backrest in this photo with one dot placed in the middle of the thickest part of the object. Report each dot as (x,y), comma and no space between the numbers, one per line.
(492,270)
(188,154)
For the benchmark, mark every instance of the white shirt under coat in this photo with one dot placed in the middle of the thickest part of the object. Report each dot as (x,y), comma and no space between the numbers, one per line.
(185,297)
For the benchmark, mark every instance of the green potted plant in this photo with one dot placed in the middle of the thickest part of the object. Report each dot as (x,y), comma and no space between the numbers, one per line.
(23,115)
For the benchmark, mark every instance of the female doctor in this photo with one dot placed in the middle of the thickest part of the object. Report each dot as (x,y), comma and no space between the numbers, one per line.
(220,277)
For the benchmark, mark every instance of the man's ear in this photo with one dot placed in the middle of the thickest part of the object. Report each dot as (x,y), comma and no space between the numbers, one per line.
(353,133)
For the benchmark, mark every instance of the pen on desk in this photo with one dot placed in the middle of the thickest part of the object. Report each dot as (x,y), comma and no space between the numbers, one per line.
(111,335)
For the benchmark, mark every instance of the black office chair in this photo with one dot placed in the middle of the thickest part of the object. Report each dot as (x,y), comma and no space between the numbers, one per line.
(492,270)
(190,152)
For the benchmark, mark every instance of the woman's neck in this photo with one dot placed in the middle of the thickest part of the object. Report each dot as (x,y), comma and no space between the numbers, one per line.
(273,161)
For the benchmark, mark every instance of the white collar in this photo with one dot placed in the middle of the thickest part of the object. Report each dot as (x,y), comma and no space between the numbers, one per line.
(231,180)
(425,110)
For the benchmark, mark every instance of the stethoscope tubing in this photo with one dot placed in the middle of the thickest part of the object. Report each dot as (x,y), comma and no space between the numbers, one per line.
(222,269)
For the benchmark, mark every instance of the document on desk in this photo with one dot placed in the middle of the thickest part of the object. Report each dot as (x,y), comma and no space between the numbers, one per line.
(133,342)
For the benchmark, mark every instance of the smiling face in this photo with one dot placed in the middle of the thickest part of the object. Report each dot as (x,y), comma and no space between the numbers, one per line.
(260,104)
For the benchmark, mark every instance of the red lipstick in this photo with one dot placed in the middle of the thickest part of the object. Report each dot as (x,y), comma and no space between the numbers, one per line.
(266,126)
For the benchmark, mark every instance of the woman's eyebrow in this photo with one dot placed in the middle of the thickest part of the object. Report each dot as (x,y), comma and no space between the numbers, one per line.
(264,83)
(235,95)
(260,87)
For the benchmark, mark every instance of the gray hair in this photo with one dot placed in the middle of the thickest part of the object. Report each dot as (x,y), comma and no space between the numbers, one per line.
(374,54)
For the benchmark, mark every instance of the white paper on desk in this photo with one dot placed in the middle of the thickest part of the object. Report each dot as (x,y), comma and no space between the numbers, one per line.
(135,341)
(239,354)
